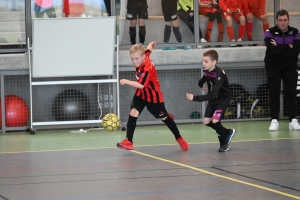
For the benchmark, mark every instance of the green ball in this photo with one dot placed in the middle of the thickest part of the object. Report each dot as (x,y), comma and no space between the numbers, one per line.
(195,115)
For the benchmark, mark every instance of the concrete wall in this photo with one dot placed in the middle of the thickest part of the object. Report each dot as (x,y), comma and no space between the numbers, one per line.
(155,27)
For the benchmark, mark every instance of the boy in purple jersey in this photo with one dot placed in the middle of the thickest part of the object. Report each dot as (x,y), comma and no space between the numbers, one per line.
(283,47)
(218,96)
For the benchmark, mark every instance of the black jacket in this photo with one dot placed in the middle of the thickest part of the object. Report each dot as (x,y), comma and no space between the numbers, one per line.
(282,55)
(218,85)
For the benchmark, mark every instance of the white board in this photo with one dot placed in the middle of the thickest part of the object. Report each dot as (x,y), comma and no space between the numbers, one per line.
(64,47)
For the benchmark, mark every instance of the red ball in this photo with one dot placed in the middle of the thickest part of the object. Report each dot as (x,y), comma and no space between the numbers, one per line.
(16,111)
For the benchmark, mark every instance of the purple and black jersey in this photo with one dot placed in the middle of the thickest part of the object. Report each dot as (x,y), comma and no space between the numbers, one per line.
(282,55)
(217,83)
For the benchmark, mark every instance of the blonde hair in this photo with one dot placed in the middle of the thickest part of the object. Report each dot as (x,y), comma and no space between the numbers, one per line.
(137,48)
(212,54)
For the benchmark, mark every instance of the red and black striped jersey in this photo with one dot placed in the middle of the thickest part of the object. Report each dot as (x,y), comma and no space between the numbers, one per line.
(146,76)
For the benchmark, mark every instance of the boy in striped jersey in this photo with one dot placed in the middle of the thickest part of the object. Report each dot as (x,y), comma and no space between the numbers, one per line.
(147,94)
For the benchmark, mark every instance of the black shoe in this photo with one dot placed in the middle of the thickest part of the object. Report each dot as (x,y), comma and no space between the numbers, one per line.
(230,135)
(251,44)
(223,148)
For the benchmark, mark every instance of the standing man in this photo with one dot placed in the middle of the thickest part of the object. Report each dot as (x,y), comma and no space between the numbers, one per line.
(283,47)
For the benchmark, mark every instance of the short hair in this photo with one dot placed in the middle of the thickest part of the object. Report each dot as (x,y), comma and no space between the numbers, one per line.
(137,48)
(212,54)
(282,13)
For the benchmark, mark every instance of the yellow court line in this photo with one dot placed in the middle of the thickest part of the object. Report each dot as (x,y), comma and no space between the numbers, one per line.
(217,175)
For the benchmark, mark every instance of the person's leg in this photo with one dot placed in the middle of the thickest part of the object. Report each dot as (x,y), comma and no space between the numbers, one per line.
(249,26)
(167,32)
(142,30)
(137,106)
(51,13)
(242,26)
(187,19)
(210,23)
(143,14)
(274,85)
(229,28)
(224,135)
(37,10)
(218,16)
(290,78)
(132,31)
(158,110)
(176,30)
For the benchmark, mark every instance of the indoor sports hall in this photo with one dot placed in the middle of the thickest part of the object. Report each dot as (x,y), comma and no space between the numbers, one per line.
(63,110)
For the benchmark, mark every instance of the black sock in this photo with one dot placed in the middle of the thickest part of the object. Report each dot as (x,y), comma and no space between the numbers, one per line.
(221,130)
(132,35)
(142,34)
(210,124)
(131,124)
(172,126)
(167,33)
(177,34)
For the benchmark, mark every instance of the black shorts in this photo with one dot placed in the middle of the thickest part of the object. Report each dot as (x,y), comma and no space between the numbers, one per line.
(216,108)
(158,110)
(169,9)
(137,9)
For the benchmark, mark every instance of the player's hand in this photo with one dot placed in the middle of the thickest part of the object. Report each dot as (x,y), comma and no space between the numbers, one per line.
(291,46)
(228,11)
(189,96)
(273,42)
(191,14)
(123,81)
(238,11)
(263,17)
(153,44)
(204,88)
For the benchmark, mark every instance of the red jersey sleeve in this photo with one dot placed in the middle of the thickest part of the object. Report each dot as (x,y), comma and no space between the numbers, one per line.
(262,7)
(145,73)
(246,8)
(222,4)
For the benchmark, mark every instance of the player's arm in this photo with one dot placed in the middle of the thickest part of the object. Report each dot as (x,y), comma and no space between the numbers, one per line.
(204,5)
(272,45)
(262,7)
(183,6)
(151,45)
(223,6)
(214,92)
(246,6)
(202,81)
(131,83)
(295,47)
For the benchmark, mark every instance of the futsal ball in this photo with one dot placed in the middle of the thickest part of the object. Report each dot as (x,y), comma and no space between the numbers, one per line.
(111,122)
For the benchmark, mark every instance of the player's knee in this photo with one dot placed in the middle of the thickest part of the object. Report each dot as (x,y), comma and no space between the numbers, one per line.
(249,16)
(214,121)
(242,20)
(134,112)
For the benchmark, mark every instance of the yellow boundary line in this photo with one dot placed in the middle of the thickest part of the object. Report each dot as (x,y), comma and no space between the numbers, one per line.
(217,175)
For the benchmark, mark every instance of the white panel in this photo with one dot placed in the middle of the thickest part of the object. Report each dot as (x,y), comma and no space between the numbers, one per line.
(73,46)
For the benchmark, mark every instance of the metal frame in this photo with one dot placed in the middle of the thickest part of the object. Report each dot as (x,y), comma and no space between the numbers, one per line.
(33,83)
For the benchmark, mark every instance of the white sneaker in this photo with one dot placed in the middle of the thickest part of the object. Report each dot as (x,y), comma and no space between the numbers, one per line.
(274,125)
(239,45)
(233,45)
(203,40)
(294,125)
